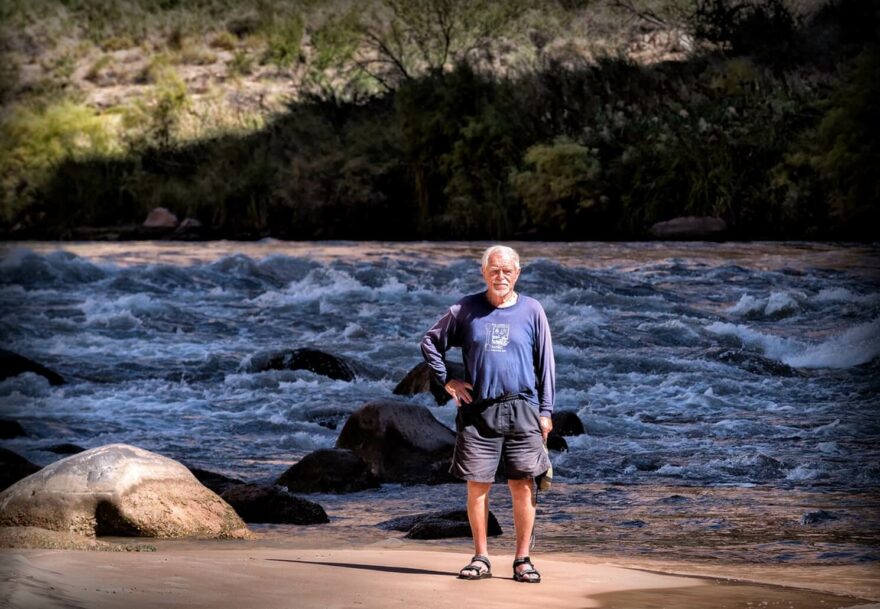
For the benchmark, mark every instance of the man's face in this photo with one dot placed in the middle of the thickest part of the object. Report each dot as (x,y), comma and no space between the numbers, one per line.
(500,275)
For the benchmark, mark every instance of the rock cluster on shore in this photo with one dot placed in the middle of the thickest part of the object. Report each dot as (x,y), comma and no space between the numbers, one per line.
(123,490)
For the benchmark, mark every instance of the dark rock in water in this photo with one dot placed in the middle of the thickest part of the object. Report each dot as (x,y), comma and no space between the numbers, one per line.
(644,462)
(633,524)
(567,423)
(438,525)
(11,429)
(65,449)
(330,417)
(752,362)
(818,517)
(556,443)
(214,481)
(689,227)
(761,467)
(14,467)
(329,470)
(673,500)
(13,364)
(119,490)
(271,504)
(400,442)
(420,380)
(313,360)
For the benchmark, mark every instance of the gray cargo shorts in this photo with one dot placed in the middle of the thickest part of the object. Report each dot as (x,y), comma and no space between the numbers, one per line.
(489,431)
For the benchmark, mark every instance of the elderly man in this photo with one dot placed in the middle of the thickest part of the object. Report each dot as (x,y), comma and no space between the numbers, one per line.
(504,402)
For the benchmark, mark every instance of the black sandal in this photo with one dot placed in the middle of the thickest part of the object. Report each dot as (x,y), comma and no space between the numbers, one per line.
(479,573)
(528,575)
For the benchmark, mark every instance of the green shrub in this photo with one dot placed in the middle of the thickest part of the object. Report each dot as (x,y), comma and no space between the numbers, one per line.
(285,41)
(560,187)
(225,41)
(37,141)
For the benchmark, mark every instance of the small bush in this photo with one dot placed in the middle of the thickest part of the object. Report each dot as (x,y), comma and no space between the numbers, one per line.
(242,63)
(117,43)
(95,71)
(285,41)
(225,41)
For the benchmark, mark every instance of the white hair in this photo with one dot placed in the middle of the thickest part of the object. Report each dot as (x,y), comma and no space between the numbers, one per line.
(503,250)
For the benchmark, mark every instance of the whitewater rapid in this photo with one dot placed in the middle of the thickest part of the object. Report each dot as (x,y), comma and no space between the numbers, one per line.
(695,364)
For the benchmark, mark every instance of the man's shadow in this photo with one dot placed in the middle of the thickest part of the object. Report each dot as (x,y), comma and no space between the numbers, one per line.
(382,568)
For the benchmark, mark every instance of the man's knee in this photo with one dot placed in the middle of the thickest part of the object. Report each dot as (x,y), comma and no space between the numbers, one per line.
(520,485)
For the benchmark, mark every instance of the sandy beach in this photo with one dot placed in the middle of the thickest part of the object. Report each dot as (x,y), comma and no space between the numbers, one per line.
(257,573)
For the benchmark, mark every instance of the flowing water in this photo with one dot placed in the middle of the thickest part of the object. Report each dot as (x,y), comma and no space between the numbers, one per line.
(713,380)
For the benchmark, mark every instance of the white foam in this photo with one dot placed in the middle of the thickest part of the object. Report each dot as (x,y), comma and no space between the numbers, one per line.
(803,473)
(778,304)
(747,305)
(835,295)
(857,345)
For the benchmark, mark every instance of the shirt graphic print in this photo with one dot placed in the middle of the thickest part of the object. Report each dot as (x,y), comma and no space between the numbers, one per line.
(497,337)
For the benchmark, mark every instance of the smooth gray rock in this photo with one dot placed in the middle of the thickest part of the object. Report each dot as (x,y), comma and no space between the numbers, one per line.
(329,470)
(119,490)
(400,442)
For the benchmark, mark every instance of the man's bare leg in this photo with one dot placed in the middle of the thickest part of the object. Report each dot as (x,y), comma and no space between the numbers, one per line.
(522,492)
(478,514)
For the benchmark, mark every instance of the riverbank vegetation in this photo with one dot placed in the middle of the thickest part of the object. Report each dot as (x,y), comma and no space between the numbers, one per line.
(443,119)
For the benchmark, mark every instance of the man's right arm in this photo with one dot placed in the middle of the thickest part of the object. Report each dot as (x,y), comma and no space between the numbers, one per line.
(436,342)
(434,345)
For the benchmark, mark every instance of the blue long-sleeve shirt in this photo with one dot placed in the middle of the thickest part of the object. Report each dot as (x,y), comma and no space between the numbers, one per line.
(506,351)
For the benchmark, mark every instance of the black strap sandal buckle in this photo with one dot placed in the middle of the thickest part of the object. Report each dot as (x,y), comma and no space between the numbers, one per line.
(477,572)
(528,575)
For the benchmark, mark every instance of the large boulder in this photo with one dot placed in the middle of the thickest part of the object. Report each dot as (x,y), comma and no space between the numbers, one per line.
(256,503)
(689,228)
(160,217)
(329,470)
(13,364)
(14,467)
(119,490)
(400,442)
(214,481)
(34,537)
(438,525)
(316,361)
(420,380)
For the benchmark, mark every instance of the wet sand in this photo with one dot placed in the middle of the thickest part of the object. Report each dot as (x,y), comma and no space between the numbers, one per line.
(218,575)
